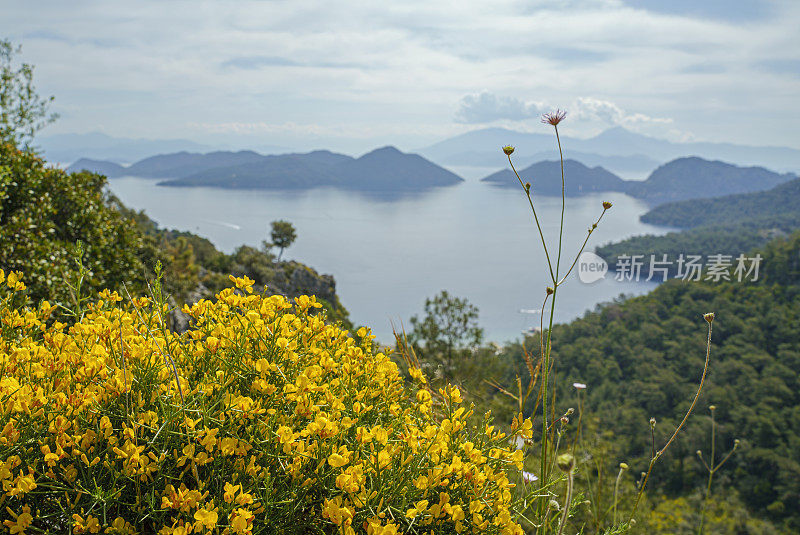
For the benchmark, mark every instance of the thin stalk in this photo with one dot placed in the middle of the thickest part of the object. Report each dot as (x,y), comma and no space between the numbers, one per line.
(577,256)
(616,491)
(710,477)
(660,452)
(563,206)
(548,345)
(535,217)
(545,375)
(567,502)
(580,418)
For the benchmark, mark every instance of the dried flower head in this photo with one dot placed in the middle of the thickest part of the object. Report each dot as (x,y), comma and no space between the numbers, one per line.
(527,187)
(554,117)
(709,317)
(565,462)
(508,150)
(606,205)
(549,290)
(652,422)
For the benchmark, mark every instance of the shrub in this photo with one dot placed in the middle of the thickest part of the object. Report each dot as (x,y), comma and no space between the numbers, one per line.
(44,212)
(262,418)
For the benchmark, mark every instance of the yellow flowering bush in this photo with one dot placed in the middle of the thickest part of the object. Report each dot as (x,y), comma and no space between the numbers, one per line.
(261,418)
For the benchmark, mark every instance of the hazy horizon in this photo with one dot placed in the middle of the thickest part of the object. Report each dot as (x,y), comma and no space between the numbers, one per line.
(351,77)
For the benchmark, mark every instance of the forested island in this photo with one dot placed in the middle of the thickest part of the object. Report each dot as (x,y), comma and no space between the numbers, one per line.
(680,179)
(384,169)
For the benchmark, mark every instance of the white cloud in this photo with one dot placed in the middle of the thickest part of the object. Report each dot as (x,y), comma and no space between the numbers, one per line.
(606,112)
(346,64)
(486,107)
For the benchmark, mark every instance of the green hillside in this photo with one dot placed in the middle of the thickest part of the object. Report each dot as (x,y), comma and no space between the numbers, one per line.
(779,201)
(642,358)
(732,239)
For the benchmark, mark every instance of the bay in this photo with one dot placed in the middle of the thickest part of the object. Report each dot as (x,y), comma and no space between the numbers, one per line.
(389,252)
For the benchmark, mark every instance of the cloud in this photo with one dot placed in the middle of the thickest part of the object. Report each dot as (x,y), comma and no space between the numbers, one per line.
(781,66)
(487,107)
(257,62)
(743,10)
(713,69)
(606,112)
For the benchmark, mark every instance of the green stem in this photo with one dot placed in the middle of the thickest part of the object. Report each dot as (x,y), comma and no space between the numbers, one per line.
(535,218)
(563,205)
(660,452)
(710,476)
(567,502)
(577,256)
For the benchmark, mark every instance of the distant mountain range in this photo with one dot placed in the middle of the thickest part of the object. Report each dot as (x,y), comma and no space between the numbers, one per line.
(384,169)
(177,164)
(387,169)
(616,149)
(680,179)
(66,148)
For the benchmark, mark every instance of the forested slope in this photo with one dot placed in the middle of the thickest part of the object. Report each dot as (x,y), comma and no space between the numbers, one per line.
(643,357)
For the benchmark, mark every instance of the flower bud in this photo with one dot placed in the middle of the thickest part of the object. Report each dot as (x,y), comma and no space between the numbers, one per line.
(549,290)
(606,205)
(565,462)
(699,453)
(712,408)
(709,317)
(652,422)
(554,505)
(623,466)
(508,150)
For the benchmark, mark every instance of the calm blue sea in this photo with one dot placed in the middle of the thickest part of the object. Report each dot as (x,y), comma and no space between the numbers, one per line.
(388,253)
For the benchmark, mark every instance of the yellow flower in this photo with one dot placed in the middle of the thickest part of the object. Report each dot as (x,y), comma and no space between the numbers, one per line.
(206,518)
(337,460)
(90,525)
(120,526)
(242,520)
(230,492)
(418,508)
(22,521)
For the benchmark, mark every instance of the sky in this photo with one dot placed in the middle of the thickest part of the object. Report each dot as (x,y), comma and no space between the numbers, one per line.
(351,76)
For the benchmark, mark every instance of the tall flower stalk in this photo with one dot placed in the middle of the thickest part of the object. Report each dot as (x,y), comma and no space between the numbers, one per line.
(557,280)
